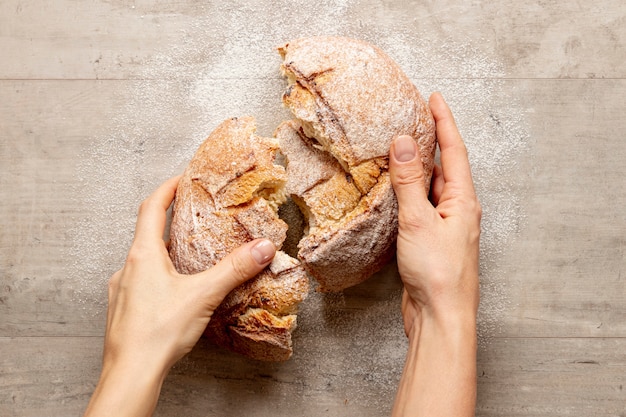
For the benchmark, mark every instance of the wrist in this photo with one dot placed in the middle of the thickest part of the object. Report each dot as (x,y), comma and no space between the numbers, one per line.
(127,387)
(453,308)
(134,370)
(439,376)
(450,324)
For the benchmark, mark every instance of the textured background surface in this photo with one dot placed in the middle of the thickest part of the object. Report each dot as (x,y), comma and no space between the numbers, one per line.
(100,101)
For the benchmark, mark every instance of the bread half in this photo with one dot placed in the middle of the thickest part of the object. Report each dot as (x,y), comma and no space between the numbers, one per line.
(228,195)
(350,100)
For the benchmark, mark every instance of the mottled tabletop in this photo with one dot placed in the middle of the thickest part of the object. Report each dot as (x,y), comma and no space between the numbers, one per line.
(101,101)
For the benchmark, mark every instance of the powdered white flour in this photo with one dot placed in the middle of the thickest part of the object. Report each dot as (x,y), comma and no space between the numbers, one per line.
(225,65)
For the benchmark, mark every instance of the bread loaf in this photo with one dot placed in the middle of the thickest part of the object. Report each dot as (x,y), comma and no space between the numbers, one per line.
(229,195)
(349,101)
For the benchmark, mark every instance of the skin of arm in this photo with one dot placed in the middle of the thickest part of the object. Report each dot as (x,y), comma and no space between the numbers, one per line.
(437,256)
(156,315)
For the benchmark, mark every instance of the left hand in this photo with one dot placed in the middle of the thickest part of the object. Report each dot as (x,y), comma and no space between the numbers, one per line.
(157,315)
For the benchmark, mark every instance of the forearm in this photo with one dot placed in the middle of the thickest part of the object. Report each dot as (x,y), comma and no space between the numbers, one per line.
(126,389)
(439,377)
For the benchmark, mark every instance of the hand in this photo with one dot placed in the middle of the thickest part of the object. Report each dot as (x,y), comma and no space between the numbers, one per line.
(438,263)
(437,246)
(157,315)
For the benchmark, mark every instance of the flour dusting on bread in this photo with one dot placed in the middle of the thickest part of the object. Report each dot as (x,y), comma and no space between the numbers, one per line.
(350,100)
(229,195)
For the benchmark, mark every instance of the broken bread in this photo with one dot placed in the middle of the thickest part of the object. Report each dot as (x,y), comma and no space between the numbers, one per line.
(349,100)
(228,195)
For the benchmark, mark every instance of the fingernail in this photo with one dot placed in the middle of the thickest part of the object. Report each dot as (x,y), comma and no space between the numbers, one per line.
(263,251)
(404,148)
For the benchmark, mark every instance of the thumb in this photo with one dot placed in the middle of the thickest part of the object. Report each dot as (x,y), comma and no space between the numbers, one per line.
(407,175)
(239,266)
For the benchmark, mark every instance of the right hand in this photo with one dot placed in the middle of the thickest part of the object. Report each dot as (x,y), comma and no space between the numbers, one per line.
(437,248)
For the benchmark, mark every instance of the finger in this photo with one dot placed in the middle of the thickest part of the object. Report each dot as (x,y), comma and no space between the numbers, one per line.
(407,174)
(239,266)
(436,185)
(152,214)
(454,161)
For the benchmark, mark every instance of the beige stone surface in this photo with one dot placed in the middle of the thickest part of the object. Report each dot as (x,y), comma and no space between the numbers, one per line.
(100,101)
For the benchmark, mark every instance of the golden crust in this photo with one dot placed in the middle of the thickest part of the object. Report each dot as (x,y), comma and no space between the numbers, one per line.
(218,207)
(352,99)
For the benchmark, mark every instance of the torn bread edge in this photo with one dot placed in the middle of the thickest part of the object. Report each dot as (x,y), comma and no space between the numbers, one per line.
(228,195)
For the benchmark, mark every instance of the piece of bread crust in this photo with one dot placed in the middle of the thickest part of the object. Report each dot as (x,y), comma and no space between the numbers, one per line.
(350,236)
(353,99)
(350,101)
(228,195)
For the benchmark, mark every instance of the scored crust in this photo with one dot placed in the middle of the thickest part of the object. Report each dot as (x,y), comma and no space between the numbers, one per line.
(353,99)
(350,236)
(229,195)
(350,101)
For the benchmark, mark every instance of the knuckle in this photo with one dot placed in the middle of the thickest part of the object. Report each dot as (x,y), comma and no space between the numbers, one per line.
(145,206)
(474,208)
(473,217)
(461,146)
(458,147)
(409,220)
(469,204)
(408,175)
(136,253)
(133,256)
